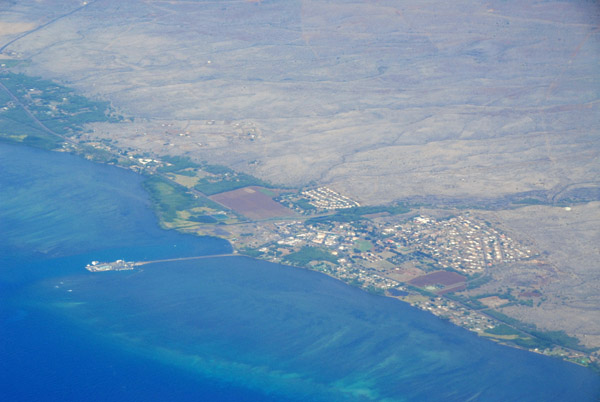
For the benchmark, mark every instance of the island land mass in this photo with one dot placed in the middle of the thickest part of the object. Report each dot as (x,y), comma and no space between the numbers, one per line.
(494,233)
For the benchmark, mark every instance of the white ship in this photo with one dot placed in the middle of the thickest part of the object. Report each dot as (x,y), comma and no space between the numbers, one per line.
(119,265)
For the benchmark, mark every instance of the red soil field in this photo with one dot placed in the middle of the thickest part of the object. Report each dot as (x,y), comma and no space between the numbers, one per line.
(252,203)
(438,278)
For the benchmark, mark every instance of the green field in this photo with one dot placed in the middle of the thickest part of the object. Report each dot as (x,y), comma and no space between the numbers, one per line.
(536,338)
(176,164)
(363,245)
(358,213)
(307,254)
(503,330)
(227,182)
(173,203)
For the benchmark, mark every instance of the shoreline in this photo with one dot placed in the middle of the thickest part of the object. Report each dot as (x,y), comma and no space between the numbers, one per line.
(416,305)
(182,200)
(408,299)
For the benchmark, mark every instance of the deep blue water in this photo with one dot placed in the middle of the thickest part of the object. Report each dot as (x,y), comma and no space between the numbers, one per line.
(218,329)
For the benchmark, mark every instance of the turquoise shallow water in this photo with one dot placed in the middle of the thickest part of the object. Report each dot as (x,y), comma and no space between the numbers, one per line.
(214,329)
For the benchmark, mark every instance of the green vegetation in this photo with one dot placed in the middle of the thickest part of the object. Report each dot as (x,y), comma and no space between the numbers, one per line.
(375,290)
(305,205)
(267,192)
(377,209)
(227,182)
(307,254)
(538,338)
(528,302)
(177,164)
(509,320)
(217,169)
(202,219)
(54,106)
(354,282)
(420,291)
(18,126)
(188,173)
(363,245)
(503,330)
(331,218)
(559,338)
(530,201)
(169,198)
(531,343)
(250,252)
(358,213)
(478,280)
(470,302)
(219,180)
(27,134)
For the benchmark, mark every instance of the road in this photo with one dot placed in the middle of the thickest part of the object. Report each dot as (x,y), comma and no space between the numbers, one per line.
(24,34)
(35,119)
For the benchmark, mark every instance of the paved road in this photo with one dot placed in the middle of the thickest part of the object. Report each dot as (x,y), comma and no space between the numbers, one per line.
(24,34)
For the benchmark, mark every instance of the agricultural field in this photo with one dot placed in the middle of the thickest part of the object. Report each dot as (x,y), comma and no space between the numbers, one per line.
(253,203)
(177,208)
(441,281)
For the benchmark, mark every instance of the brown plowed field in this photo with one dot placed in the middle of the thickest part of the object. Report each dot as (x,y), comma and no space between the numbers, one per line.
(252,203)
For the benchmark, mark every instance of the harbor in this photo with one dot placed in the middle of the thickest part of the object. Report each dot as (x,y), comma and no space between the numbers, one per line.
(121,265)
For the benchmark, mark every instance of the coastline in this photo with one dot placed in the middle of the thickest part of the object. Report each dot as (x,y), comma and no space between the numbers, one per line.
(440,314)
(439,306)
(185,197)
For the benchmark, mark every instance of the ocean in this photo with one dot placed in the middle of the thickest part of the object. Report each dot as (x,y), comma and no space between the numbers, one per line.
(215,329)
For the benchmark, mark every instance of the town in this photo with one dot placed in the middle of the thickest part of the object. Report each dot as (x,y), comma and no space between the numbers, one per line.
(421,261)
(427,261)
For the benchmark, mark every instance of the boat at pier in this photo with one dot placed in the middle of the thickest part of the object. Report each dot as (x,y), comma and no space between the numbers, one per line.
(119,265)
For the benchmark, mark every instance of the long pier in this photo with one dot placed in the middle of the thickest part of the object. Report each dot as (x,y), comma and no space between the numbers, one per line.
(121,265)
(184,259)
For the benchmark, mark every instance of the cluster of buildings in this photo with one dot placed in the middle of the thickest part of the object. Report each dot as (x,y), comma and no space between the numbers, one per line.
(367,253)
(297,232)
(462,243)
(456,314)
(327,199)
(359,266)
(340,240)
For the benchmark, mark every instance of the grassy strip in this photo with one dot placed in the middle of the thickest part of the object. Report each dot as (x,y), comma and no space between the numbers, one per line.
(502,330)
(227,182)
(177,163)
(357,213)
(470,302)
(539,339)
(423,292)
(478,280)
(169,198)
(530,201)
(509,320)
